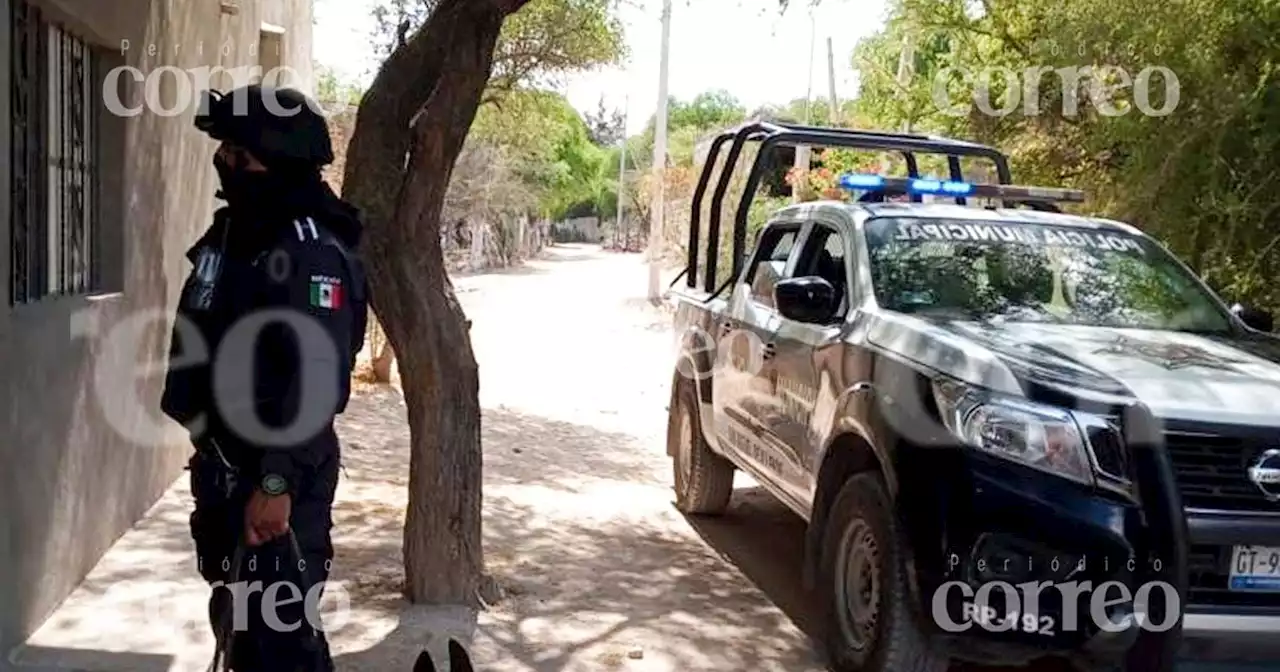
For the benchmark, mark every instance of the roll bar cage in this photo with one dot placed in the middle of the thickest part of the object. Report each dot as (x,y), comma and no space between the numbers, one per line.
(773,134)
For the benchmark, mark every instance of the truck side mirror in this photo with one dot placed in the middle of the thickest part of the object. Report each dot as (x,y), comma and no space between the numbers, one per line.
(810,299)
(1254,318)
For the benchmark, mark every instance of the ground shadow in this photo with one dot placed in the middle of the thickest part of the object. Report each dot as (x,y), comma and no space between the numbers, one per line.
(586,588)
(765,540)
(417,629)
(82,660)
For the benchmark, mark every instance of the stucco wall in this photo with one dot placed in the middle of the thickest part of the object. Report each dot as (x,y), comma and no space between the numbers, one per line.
(71,478)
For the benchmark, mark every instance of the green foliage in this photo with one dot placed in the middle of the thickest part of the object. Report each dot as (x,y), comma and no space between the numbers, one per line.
(1204,178)
(540,140)
(540,44)
(331,89)
(583,178)
(529,122)
(708,110)
(549,39)
(816,112)
(553,152)
(687,123)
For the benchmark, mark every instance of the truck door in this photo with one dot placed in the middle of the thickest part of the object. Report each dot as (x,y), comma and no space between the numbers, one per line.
(809,360)
(743,388)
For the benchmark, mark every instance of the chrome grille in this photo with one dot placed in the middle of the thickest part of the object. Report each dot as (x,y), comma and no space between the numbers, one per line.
(1213,471)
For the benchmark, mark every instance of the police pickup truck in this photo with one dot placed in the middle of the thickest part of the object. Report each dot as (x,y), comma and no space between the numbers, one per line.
(1013,433)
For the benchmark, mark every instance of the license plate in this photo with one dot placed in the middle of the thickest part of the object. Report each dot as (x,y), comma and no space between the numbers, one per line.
(1255,568)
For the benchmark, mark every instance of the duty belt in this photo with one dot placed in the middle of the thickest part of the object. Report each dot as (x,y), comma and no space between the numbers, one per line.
(228,476)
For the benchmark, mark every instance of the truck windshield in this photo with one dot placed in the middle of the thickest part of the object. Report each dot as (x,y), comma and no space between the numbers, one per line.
(1025,272)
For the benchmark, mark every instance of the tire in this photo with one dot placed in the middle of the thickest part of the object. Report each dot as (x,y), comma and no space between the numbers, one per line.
(703,479)
(889,638)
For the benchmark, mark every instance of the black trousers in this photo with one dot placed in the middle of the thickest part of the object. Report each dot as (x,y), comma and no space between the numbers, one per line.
(281,637)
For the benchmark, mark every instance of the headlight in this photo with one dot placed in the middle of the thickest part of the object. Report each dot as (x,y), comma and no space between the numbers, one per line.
(1039,436)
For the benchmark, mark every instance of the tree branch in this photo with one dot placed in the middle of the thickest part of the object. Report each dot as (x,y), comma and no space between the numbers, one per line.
(380,140)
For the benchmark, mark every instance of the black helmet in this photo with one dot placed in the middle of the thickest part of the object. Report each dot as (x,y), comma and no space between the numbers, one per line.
(278,125)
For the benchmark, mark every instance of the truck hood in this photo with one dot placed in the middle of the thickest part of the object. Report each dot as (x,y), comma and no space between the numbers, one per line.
(1178,375)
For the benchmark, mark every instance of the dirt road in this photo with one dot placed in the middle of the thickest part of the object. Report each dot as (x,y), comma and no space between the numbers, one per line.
(601,572)
(574,382)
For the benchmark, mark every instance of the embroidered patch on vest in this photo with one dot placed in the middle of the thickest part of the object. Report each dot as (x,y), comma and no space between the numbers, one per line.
(326,292)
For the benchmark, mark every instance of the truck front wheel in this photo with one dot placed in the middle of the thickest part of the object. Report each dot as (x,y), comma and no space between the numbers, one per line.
(703,479)
(870,620)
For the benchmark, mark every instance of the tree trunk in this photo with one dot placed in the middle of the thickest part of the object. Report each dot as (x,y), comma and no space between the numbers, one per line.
(433,84)
(383,359)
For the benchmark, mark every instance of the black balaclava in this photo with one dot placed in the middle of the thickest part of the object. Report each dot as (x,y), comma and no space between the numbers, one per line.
(240,187)
(285,187)
(260,202)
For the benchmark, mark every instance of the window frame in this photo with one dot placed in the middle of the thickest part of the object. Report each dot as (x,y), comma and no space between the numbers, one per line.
(780,227)
(56,155)
(830,230)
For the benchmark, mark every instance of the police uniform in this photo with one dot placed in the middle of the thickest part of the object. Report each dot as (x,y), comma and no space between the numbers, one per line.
(265,337)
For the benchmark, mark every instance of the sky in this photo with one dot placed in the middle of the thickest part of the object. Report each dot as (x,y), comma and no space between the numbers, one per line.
(743,46)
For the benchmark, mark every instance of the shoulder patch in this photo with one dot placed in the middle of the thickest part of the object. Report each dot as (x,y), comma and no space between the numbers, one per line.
(326,292)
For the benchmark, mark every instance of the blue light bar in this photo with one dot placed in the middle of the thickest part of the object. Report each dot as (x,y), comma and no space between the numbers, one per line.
(939,187)
(861,181)
(915,186)
(957,189)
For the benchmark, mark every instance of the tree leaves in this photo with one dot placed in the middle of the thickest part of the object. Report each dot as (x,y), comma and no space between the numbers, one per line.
(528,149)
(1204,178)
(540,44)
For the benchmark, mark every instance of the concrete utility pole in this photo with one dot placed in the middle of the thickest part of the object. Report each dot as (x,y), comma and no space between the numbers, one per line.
(802,160)
(622,167)
(831,84)
(659,160)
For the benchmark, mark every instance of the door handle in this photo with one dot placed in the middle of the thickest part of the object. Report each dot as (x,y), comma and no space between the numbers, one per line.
(769,350)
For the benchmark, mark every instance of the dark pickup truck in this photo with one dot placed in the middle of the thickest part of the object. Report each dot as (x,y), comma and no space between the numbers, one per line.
(1013,432)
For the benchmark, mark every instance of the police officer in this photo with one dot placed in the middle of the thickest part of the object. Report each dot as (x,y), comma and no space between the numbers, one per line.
(265,336)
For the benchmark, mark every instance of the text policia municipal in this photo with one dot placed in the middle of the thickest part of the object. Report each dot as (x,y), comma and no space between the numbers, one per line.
(1027,235)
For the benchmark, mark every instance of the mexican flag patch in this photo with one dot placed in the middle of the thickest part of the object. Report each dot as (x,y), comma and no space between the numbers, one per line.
(326,292)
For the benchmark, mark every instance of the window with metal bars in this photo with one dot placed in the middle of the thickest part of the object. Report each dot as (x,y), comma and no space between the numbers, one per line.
(55,111)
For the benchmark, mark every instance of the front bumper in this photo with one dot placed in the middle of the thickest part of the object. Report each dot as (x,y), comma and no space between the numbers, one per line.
(1212,535)
(1217,638)
(1001,522)
(1217,621)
